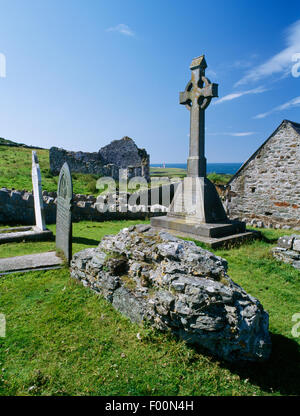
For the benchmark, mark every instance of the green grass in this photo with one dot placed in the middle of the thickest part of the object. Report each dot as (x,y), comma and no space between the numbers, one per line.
(15,172)
(85,234)
(6,141)
(62,339)
(167,172)
(217,178)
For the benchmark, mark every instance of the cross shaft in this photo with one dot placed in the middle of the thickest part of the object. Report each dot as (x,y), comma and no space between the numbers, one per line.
(197,97)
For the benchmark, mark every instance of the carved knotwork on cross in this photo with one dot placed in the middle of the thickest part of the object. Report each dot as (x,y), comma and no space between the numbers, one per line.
(197,97)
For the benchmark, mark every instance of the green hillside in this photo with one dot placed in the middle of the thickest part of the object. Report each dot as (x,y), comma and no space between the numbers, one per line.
(15,171)
(217,178)
(6,141)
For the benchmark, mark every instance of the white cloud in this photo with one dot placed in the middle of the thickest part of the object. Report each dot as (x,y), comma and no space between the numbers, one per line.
(280,63)
(237,134)
(235,95)
(121,28)
(246,133)
(2,65)
(289,104)
(211,73)
(245,63)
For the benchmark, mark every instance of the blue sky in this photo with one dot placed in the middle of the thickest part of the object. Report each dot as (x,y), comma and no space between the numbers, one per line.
(79,74)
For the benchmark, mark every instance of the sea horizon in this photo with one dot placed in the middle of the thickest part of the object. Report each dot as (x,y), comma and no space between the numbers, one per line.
(221,168)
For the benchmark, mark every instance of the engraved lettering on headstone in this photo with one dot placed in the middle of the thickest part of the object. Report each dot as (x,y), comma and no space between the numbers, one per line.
(64,212)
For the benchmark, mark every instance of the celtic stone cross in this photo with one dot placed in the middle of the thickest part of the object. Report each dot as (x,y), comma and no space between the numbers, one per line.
(197,97)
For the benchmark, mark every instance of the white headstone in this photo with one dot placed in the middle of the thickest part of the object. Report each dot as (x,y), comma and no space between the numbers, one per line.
(37,193)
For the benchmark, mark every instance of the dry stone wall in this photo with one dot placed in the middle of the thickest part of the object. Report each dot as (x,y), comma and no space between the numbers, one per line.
(17,207)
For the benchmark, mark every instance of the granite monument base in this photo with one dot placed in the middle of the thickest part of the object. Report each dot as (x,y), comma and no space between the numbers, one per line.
(30,233)
(214,235)
(197,212)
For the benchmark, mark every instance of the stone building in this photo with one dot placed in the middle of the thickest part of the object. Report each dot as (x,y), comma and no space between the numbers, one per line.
(266,189)
(119,154)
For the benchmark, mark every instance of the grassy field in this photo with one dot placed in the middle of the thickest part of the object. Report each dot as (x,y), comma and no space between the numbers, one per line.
(167,172)
(6,141)
(85,234)
(216,178)
(15,172)
(62,339)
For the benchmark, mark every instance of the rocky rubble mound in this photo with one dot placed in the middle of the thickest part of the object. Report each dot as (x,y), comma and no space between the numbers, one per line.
(177,286)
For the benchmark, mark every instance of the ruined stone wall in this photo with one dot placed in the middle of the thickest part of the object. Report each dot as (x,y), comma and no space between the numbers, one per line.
(79,162)
(119,154)
(267,190)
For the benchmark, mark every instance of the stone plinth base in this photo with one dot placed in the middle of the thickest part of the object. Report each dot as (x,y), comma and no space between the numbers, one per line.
(17,234)
(198,200)
(214,235)
(30,262)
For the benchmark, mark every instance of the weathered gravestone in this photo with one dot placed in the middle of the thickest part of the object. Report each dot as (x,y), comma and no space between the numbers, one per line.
(64,212)
(196,210)
(37,193)
(37,232)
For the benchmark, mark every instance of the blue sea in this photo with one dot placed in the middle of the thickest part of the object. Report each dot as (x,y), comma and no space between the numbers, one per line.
(230,168)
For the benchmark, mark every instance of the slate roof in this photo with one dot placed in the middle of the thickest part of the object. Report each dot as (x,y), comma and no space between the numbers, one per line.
(296,127)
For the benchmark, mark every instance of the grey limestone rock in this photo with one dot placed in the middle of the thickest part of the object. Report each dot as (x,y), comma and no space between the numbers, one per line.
(177,286)
(286,242)
(296,246)
(288,250)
